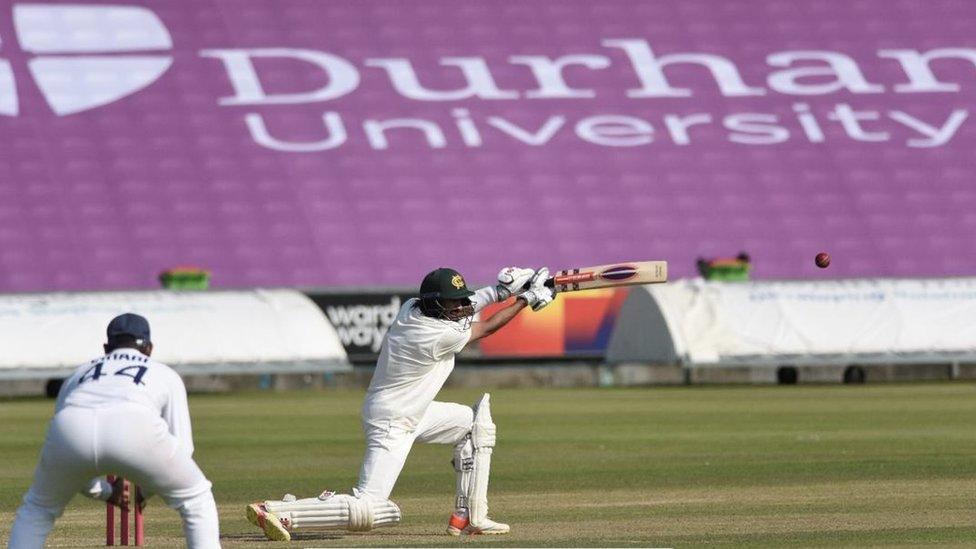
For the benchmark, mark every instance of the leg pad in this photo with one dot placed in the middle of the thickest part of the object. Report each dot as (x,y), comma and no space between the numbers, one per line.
(335,511)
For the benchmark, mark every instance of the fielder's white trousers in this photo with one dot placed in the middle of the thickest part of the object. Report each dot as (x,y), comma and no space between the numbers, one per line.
(388,443)
(124,439)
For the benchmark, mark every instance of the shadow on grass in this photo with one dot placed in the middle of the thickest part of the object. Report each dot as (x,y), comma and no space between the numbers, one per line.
(306,536)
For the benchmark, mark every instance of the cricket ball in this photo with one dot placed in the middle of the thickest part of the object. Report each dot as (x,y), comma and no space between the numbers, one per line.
(822,260)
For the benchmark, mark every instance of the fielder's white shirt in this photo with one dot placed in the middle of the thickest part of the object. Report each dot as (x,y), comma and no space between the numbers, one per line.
(415,361)
(128,376)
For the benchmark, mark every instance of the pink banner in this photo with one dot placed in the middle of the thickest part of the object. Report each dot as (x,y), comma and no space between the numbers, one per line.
(301,142)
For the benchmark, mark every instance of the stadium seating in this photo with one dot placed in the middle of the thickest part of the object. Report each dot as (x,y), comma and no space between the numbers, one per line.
(173,173)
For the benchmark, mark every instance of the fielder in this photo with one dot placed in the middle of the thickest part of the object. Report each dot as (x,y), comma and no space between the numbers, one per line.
(416,358)
(126,415)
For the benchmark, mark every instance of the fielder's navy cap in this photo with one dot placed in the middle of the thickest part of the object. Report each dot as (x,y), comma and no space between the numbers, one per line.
(129,324)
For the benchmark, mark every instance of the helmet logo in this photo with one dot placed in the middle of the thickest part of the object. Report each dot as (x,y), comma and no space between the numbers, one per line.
(457,281)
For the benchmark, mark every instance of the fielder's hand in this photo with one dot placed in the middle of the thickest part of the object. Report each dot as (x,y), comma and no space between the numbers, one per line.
(120,494)
(123,497)
(538,295)
(511,281)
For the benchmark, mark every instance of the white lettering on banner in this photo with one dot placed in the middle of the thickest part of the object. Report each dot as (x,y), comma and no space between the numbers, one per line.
(678,126)
(755,129)
(611,130)
(851,121)
(475,71)
(343,76)
(917,67)
(809,123)
(935,136)
(370,337)
(363,325)
(648,67)
(847,75)
(650,71)
(540,137)
(791,72)
(8,90)
(77,64)
(333,122)
(615,131)
(375,131)
(466,127)
(549,73)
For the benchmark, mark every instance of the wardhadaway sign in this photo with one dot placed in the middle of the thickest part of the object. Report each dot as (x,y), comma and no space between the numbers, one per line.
(312,143)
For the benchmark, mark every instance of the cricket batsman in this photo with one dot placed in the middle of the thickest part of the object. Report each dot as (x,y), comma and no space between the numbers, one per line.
(416,359)
(126,415)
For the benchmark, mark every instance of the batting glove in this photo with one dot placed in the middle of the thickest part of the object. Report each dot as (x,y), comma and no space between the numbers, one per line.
(538,298)
(538,280)
(513,281)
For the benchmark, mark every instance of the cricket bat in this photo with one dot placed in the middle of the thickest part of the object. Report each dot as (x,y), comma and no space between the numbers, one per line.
(609,276)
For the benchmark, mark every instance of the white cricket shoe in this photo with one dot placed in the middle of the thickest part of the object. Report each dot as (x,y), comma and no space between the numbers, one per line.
(258,515)
(459,524)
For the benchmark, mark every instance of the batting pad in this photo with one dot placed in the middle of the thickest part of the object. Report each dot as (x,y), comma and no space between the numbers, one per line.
(335,511)
(483,439)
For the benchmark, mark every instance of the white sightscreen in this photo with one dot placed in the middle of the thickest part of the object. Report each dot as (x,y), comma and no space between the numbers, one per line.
(725,322)
(240,331)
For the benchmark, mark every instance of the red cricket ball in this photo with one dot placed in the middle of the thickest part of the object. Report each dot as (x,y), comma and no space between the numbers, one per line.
(822,260)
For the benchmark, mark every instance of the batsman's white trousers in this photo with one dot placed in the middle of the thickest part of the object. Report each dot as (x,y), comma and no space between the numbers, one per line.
(388,443)
(124,439)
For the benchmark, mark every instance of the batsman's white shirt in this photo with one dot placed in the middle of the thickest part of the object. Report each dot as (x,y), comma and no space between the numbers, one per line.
(415,361)
(119,414)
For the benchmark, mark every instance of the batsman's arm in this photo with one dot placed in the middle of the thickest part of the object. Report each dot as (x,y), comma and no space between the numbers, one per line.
(497,320)
(484,297)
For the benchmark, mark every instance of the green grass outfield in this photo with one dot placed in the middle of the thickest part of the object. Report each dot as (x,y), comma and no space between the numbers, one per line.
(856,466)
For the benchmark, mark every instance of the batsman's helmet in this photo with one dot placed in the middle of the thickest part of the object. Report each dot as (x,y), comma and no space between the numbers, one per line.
(444,283)
(444,294)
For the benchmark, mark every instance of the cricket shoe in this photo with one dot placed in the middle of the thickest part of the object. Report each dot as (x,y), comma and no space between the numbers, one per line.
(459,524)
(258,515)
